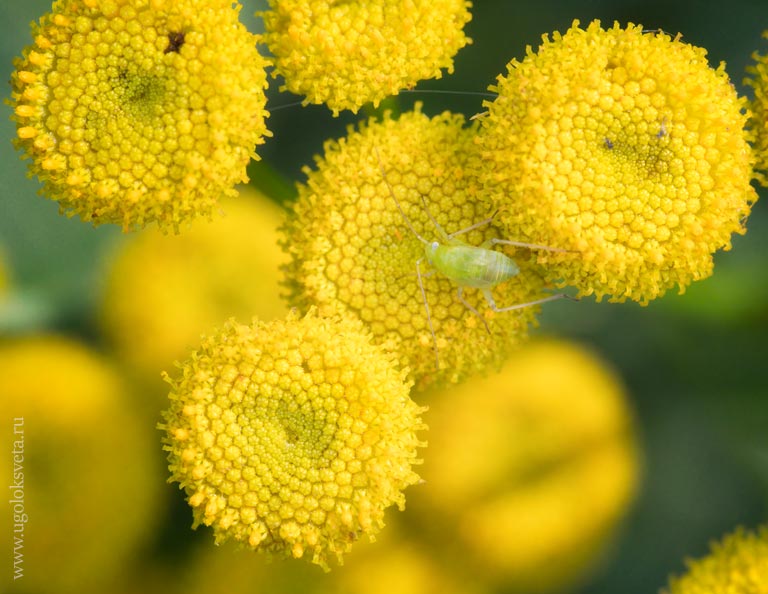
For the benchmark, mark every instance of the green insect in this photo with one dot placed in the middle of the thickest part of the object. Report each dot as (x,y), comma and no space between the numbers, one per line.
(477,267)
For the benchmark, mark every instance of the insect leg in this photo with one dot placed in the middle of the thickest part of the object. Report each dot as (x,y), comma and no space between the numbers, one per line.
(475,226)
(496,308)
(531,246)
(437,225)
(426,308)
(397,202)
(472,309)
(423,275)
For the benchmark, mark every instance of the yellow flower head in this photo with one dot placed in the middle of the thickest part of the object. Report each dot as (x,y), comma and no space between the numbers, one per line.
(87,463)
(345,54)
(164,291)
(3,274)
(625,147)
(353,252)
(529,470)
(737,565)
(292,436)
(134,111)
(759,109)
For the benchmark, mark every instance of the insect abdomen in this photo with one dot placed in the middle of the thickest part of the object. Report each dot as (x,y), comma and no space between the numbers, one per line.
(472,266)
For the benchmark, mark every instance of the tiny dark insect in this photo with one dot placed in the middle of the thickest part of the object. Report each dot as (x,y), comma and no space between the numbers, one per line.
(175,41)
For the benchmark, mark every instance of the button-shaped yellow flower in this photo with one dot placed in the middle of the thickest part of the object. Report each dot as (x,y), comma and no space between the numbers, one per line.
(736,565)
(292,436)
(346,54)
(626,147)
(352,251)
(759,107)
(163,291)
(139,111)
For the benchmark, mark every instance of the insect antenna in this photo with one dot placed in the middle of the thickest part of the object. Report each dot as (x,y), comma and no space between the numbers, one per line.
(397,202)
(442,232)
(419,276)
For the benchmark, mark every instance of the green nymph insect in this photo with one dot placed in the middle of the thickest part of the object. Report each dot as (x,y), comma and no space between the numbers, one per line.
(478,267)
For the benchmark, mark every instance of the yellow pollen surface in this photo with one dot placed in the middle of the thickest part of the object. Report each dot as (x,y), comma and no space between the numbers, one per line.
(128,132)
(352,252)
(292,436)
(738,564)
(758,80)
(625,147)
(346,54)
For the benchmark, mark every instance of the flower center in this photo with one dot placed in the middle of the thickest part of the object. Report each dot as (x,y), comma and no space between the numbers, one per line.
(140,94)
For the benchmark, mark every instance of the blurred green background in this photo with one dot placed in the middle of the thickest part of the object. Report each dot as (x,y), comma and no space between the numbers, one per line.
(694,364)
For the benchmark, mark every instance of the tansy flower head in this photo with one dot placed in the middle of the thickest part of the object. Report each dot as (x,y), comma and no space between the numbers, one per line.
(351,250)
(759,108)
(86,461)
(625,147)
(292,436)
(345,54)
(736,565)
(134,111)
(162,291)
(545,466)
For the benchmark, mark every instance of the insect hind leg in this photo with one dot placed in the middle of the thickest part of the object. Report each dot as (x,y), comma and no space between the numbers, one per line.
(419,276)
(496,308)
(477,225)
(470,307)
(487,244)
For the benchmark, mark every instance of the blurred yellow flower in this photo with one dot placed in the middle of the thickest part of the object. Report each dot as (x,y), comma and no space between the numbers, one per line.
(625,147)
(346,54)
(139,111)
(352,252)
(88,465)
(529,470)
(4,275)
(736,565)
(162,292)
(293,436)
(405,567)
(394,564)
(759,107)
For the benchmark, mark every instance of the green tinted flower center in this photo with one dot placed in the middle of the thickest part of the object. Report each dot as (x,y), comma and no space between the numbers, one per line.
(139,94)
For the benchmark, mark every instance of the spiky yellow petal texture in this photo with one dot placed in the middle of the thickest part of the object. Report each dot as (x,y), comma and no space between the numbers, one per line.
(139,111)
(163,291)
(738,564)
(87,462)
(626,147)
(351,250)
(529,470)
(346,54)
(758,79)
(292,436)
